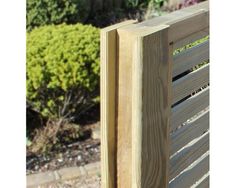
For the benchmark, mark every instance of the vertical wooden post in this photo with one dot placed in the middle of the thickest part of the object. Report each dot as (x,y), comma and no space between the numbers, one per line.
(124,112)
(144,102)
(109,52)
(151,107)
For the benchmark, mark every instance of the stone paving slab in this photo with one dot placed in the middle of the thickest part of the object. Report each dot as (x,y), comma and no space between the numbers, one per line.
(83,174)
(81,182)
(41,178)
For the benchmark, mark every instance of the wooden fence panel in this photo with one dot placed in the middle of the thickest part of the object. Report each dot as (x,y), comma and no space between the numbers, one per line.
(155,132)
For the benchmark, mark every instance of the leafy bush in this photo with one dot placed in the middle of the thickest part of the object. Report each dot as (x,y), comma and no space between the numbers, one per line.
(44,12)
(62,69)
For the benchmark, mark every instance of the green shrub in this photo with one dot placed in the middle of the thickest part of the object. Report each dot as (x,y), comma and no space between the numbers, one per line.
(44,12)
(62,69)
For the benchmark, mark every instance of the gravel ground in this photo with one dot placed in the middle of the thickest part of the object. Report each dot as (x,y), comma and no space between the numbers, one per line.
(79,153)
(76,154)
(84,182)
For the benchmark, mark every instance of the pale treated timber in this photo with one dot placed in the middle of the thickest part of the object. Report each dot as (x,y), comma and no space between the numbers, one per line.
(187,109)
(190,83)
(193,23)
(151,109)
(126,149)
(188,155)
(176,16)
(191,38)
(192,174)
(108,90)
(191,57)
(124,112)
(188,132)
(136,155)
(124,128)
(194,18)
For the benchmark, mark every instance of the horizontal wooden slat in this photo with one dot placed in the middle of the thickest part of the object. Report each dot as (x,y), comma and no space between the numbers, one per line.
(187,109)
(190,57)
(188,155)
(195,18)
(189,132)
(194,23)
(192,174)
(191,38)
(204,183)
(190,83)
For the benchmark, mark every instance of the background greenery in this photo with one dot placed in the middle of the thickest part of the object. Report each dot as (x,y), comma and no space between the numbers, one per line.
(63,50)
(45,12)
(62,69)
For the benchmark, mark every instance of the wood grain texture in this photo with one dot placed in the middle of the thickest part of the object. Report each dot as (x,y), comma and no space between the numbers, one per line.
(188,132)
(195,18)
(108,90)
(191,38)
(136,98)
(176,16)
(190,57)
(184,22)
(151,109)
(190,83)
(188,155)
(189,25)
(192,174)
(187,109)
(124,116)
(125,149)
(205,182)
(124,131)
